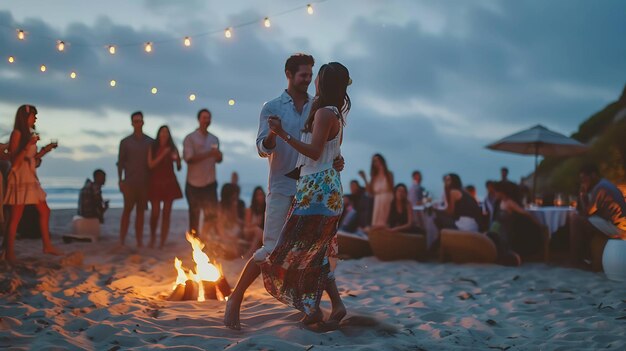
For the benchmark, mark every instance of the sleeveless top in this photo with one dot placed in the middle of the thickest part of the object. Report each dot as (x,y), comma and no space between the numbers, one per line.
(466,206)
(332,149)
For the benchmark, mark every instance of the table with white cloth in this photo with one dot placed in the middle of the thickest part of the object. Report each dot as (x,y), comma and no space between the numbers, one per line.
(425,219)
(552,217)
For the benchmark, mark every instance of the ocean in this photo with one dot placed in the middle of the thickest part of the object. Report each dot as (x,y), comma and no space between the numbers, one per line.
(63,193)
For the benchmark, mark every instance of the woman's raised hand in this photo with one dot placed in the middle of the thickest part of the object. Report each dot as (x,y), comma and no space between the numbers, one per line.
(275,124)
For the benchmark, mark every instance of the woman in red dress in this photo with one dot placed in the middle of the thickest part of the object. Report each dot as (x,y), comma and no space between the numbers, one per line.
(164,187)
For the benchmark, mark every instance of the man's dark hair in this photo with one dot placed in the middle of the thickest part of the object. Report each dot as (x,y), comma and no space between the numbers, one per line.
(98,171)
(204,110)
(294,62)
(504,169)
(589,169)
(416,172)
(136,113)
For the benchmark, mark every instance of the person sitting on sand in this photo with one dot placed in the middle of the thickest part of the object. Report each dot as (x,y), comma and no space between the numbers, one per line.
(462,211)
(514,228)
(90,202)
(229,230)
(401,217)
(254,218)
(23,187)
(602,214)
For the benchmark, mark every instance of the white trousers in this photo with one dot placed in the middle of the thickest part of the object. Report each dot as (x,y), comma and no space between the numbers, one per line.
(276,209)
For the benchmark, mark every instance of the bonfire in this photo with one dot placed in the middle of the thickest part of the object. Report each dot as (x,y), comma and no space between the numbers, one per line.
(204,281)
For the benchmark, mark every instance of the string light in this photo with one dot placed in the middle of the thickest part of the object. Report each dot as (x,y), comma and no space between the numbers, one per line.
(113,83)
(11,59)
(309,9)
(73,75)
(60,45)
(42,68)
(21,35)
(187,41)
(154,91)
(192,97)
(148,47)
(267,22)
(112,49)
(228,33)
(231,102)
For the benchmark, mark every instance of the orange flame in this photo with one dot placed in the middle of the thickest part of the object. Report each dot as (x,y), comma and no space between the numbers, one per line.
(204,270)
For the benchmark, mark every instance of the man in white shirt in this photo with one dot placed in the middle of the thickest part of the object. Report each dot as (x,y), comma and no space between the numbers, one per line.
(293,107)
(201,152)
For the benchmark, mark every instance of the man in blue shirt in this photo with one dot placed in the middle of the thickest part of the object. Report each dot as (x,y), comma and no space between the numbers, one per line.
(601,215)
(292,107)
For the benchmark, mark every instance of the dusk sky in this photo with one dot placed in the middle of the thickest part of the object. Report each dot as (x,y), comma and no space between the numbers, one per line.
(433,81)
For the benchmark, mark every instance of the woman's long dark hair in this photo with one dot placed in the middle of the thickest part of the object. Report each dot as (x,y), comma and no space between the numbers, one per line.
(21,125)
(256,207)
(455,181)
(333,80)
(156,143)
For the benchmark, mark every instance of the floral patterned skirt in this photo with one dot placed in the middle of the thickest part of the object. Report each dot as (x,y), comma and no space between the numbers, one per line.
(298,270)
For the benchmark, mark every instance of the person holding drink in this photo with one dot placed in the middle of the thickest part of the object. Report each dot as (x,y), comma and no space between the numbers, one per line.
(163,188)
(201,152)
(23,187)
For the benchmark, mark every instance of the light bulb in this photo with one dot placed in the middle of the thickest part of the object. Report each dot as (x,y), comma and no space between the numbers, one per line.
(187,41)
(73,75)
(228,33)
(21,34)
(11,59)
(231,102)
(192,97)
(154,90)
(42,68)
(148,47)
(309,9)
(113,83)
(267,22)
(111,49)
(60,45)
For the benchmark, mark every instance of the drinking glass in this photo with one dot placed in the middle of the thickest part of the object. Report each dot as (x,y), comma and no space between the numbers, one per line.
(573,201)
(54,142)
(558,200)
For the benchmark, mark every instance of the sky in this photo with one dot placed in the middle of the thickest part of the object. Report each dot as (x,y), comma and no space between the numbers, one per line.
(434,82)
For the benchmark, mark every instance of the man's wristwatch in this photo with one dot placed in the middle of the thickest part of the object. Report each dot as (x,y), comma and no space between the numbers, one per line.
(287,138)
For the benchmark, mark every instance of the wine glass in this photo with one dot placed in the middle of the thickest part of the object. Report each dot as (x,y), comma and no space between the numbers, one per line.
(538,200)
(558,200)
(573,201)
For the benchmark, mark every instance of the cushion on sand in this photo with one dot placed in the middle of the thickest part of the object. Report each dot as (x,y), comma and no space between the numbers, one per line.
(353,245)
(466,247)
(85,228)
(614,259)
(389,246)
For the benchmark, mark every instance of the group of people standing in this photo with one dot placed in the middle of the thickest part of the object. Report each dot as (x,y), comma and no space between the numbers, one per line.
(146,172)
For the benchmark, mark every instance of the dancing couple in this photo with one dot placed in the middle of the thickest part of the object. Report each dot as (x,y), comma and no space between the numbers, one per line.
(301,137)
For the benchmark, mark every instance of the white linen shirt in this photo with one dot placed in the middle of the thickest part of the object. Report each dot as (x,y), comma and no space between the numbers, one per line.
(282,158)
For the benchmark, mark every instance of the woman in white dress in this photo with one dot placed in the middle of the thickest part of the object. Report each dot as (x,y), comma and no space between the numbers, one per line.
(380,187)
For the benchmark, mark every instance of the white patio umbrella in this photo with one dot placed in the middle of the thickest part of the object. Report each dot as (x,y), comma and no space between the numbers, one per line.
(539,140)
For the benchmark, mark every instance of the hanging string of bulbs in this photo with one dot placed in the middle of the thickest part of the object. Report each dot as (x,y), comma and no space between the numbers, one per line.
(148,46)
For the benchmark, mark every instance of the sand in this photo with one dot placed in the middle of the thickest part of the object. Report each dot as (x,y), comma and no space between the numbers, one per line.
(102,297)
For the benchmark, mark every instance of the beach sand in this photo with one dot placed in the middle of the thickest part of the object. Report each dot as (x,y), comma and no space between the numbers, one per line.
(102,297)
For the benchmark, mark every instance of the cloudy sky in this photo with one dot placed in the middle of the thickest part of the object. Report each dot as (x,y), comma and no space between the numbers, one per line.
(434,81)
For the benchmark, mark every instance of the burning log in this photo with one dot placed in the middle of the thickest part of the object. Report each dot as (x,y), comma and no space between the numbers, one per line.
(191,290)
(178,293)
(209,290)
(205,281)
(223,286)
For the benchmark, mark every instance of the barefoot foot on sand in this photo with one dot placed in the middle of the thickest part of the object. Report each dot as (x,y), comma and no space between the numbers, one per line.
(51,250)
(335,317)
(316,317)
(231,315)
